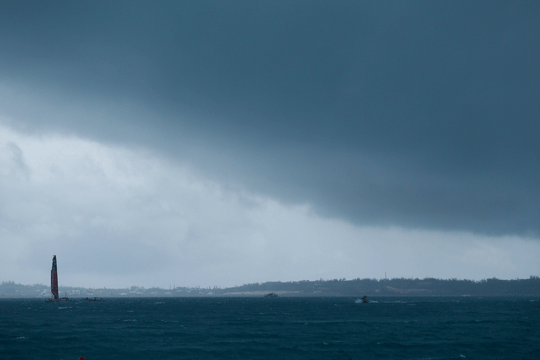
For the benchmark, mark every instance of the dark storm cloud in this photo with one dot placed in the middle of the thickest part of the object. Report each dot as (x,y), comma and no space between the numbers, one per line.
(422,114)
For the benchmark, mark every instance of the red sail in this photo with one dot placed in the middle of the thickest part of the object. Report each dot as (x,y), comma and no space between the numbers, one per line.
(54,278)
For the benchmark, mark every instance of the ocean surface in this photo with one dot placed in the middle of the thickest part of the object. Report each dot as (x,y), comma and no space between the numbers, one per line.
(266,328)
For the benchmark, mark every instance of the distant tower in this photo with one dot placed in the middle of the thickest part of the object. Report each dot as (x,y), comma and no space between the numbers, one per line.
(54,279)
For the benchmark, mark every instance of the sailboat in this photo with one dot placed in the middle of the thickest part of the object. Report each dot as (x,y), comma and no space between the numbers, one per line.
(54,283)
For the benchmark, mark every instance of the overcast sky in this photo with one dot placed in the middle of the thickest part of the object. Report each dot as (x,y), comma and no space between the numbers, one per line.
(224,142)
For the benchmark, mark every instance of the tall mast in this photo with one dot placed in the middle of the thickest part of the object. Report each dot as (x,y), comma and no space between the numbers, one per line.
(54,278)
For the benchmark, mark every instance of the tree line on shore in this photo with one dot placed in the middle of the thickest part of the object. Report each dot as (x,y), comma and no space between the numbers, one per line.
(335,287)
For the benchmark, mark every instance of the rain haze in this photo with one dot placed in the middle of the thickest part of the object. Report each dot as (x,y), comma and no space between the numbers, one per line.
(219,143)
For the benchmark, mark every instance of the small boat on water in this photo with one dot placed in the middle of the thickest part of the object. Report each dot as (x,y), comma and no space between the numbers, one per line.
(363,300)
(93,299)
(271,295)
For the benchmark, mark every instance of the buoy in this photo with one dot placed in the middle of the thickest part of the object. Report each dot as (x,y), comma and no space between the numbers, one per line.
(82,358)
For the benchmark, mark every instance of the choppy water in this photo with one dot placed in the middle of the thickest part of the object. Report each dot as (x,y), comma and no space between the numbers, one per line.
(282,328)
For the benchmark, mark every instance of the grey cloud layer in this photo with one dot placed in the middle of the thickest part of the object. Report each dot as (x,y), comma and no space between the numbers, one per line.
(423,114)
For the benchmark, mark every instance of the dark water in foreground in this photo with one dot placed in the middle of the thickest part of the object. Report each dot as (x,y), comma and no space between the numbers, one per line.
(282,328)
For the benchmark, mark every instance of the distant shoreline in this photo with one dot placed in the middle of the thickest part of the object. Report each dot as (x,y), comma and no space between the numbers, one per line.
(319,288)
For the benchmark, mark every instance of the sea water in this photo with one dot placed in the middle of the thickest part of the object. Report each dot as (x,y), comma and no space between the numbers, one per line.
(271,328)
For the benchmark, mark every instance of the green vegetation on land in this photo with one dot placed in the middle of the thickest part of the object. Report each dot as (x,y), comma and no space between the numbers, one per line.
(336,287)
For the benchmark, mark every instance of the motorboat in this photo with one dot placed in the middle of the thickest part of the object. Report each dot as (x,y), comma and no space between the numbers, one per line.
(363,300)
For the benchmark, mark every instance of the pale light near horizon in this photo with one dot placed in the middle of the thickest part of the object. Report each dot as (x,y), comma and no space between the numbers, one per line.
(118,216)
